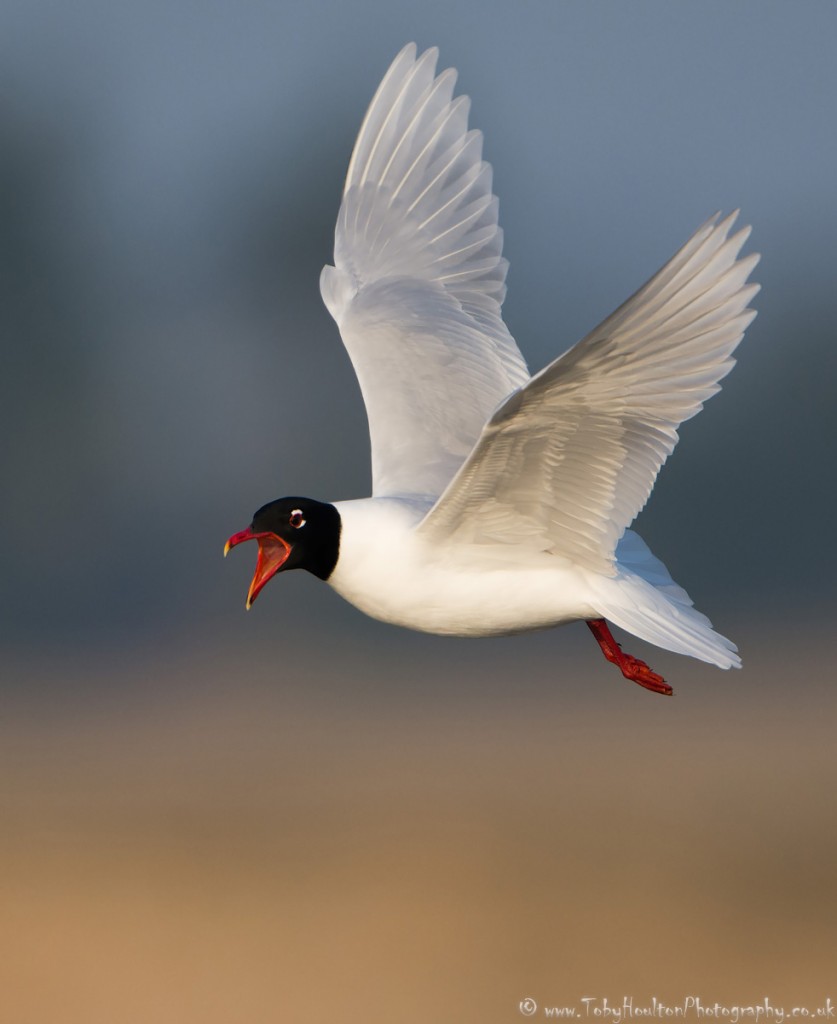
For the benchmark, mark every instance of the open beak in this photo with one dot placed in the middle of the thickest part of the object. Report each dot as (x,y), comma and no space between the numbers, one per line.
(273,553)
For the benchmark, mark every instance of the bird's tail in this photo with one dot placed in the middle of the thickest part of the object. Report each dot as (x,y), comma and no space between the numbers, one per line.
(644,600)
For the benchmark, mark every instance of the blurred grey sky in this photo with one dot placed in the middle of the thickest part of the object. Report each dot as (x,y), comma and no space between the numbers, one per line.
(170,177)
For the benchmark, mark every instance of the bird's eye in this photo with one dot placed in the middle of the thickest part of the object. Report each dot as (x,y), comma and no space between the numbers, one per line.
(296,518)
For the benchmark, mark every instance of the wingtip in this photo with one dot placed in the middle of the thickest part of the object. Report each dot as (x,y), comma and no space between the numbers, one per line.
(719,222)
(431,54)
(407,52)
(728,221)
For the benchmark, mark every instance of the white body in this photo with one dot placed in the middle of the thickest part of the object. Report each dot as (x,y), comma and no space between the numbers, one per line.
(392,573)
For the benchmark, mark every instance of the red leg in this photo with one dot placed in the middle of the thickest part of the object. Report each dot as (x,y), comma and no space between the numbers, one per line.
(631,668)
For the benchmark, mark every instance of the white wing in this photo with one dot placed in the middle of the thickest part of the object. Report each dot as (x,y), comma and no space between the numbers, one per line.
(567,462)
(418,280)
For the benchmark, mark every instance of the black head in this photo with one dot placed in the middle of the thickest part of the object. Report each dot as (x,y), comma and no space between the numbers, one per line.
(293,533)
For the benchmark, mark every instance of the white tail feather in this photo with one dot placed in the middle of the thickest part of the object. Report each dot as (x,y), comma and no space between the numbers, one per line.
(644,600)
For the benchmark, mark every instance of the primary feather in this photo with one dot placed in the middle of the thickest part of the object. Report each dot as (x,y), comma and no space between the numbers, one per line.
(566,463)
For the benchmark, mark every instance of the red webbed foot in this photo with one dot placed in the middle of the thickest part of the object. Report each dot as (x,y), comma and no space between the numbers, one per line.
(630,667)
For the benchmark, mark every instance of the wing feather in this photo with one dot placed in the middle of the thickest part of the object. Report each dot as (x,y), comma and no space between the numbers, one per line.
(569,460)
(419,280)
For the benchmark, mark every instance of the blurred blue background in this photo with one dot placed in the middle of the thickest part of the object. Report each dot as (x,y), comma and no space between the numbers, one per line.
(171,175)
(295,812)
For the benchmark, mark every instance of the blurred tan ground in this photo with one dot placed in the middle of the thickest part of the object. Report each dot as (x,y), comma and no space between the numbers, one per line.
(224,844)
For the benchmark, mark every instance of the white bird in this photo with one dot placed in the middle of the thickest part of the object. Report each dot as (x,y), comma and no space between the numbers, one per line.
(500,501)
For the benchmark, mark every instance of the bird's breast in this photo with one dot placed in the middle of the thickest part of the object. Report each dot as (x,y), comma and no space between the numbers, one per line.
(389,572)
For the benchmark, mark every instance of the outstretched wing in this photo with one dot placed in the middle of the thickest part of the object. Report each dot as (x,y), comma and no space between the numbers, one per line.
(419,280)
(567,462)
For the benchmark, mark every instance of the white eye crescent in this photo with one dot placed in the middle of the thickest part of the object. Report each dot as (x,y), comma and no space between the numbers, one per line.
(296,518)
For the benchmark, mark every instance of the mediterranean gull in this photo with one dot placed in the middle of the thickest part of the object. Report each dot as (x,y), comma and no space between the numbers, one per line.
(500,501)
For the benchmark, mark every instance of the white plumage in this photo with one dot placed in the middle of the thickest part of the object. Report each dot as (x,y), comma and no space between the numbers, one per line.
(501,501)
(419,278)
(515,492)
